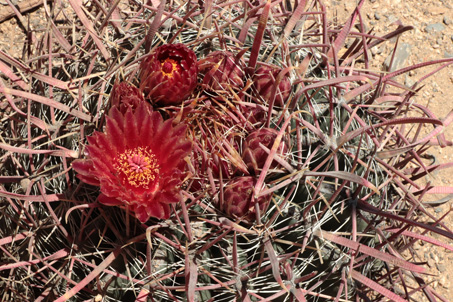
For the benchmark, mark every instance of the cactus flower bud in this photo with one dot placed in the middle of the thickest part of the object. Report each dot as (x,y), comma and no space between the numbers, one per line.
(264,81)
(254,156)
(237,199)
(125,96)
(169,75)
(221,70)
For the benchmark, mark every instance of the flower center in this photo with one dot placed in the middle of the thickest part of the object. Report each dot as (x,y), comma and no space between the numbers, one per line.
(168,67)
(139,166)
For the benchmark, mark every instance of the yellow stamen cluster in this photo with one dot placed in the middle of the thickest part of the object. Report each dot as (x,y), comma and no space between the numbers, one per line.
(139,165)
(168,67)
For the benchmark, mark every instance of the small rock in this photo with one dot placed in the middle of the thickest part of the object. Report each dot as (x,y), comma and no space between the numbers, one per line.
(442,268)
(402,54)
(359,27)
(24,183)
(448,55)
(372,1)
(447,21)
(444,282)
(436,27)
(439,41)
(431,263)
(436,259)
(392,18)
(376,50)
(408,81)
(377,16)
(446,4)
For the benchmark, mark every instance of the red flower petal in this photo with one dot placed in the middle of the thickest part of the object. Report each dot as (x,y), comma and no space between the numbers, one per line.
(109,201)
(84,167)
(115,130)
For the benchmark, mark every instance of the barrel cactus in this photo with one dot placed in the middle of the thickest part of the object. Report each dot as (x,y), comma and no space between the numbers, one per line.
(213,151)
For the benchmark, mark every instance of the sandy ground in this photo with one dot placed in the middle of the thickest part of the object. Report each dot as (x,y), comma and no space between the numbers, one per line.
(431,39)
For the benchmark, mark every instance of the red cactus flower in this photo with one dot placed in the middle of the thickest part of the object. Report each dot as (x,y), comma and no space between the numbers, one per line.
(254,156)
(264,81)
(221,70)
(169,75)
(125,96)
(237,199)
(137,162)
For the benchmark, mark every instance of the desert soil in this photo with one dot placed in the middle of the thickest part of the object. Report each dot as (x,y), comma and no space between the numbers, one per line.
(431,39)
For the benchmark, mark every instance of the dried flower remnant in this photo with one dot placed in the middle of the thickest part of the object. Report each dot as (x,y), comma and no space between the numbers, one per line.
(138,162)
(254,156)
(169,75)
(124,96)
(265,80)
(237,199)
(221,70)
